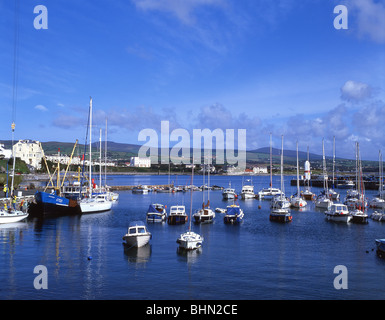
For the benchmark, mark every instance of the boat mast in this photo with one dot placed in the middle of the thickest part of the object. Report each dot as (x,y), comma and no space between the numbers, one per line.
(324,168)
(334,158)
(271,163)
(191,192)
(90,166)
(282,184)
(297,172)
(100,160)
(105,158)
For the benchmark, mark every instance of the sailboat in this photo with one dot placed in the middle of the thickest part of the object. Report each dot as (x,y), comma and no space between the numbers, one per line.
(269,193)
(99,202)
(190,240)
(377,202)
(297,201)
(279,213)
(354,197)
(323,200)
(12,215)
(334,195)
(280,201)
(206,214)
(358,214)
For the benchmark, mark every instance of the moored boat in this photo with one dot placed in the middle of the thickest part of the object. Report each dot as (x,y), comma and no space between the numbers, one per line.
(280,215)
(137,235)
(338,212)
(52,204)
(12,215)
(378,216)
(234,214)
(229,193)
(177,215)
(156,213)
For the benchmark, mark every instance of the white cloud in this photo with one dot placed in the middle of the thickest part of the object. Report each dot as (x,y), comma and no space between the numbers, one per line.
(370,16)
(41,108)
(354,91)
(183,10)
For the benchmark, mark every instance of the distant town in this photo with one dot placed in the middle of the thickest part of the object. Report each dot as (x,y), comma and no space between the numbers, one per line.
(36,157)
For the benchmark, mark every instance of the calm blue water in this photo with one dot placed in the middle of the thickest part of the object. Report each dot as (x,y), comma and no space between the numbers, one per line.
(258,259)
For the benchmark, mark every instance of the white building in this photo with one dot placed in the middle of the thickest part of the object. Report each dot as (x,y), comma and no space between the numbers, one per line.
(5,153)
(29,151)
(140,162)
(260,170)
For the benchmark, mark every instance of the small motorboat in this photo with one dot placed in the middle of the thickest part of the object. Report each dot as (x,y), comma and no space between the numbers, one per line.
(229,193)
(234,214)
(156,213)
(137,235)
(338,212)
(377,216)
(177,215)
(11,216)
(220,210)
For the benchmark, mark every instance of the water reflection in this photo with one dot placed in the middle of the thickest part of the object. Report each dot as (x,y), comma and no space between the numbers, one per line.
(137,256)
(189,256)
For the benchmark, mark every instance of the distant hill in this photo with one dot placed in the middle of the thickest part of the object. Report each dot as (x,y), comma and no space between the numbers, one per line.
(261,156)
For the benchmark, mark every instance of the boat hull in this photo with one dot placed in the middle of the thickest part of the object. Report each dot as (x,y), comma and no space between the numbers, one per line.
(156,217)
(177,219)
(280,216)
(137,241)
(94,206)
(190,241)
(6,217)
(339,217)
(51,204)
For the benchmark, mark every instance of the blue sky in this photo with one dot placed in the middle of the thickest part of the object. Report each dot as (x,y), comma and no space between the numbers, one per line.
(264,66)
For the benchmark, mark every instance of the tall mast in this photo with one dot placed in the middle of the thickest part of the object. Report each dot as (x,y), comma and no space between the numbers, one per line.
(90,166)
(105,157)
(100,159)
(324,167)
(282,184)
(297,172)
(191,192)
(271,163)
(334,157)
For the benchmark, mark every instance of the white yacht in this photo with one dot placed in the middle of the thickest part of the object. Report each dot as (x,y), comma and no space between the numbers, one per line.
(190,240)
(297,201)
(98,203)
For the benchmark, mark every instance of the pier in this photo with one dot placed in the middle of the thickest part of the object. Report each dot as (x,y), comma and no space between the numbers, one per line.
(368,185)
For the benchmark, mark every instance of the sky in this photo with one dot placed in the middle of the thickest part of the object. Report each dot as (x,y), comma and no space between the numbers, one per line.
(277,67)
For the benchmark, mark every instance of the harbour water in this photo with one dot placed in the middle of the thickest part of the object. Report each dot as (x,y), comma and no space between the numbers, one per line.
(258,259)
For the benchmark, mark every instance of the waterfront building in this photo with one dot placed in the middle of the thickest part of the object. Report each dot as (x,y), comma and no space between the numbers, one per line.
(29,151)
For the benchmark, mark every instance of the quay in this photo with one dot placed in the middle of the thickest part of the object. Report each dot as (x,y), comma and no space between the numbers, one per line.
(338,184)
(154,187)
